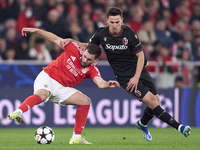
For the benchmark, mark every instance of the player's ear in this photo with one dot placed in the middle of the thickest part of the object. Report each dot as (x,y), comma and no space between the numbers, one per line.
(107,21)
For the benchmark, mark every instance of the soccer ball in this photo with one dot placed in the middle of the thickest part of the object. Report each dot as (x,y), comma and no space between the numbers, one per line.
(44,135)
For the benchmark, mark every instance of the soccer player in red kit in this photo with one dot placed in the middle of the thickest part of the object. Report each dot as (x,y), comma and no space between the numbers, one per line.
(55,82)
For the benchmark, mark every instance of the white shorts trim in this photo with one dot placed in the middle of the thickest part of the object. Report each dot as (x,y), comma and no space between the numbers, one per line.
(59,93)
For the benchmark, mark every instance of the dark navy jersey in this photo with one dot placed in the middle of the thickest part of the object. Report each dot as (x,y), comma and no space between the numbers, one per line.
(121,49)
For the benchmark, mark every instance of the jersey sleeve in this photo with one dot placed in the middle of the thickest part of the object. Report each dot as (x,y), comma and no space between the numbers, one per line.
(95,38)
(136,44)
(68,46)
(93,72)
(137,47)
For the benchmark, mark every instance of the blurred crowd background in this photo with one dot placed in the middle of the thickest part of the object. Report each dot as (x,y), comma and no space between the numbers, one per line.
(169,30)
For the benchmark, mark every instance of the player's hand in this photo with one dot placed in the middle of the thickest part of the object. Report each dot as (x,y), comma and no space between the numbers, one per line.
(113,84)
(133,82)
(64,42)
(28,30)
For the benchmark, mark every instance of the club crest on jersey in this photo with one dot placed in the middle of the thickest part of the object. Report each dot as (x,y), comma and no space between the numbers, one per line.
(125,41)
(138,93)
(85,70)
(105,38)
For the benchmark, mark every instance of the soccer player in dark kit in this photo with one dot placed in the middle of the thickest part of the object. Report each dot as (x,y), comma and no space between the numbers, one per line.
(126,57)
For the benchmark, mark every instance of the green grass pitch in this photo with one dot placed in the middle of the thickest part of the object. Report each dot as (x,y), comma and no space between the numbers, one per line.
(102,139)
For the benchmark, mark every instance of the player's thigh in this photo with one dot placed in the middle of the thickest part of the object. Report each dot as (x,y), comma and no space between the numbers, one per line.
(140,92)
(146,95)
(61,93)
(150,100)
(42,93)
(77,98)
(43,85)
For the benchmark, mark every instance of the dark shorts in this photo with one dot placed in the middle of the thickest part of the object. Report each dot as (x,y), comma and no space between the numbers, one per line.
(145,84)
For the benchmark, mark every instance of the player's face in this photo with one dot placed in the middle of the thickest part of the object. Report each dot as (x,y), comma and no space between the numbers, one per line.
(87,59)
(114,23)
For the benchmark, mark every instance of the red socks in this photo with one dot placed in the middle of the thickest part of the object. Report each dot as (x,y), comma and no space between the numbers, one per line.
(81,113)
(81,118)
(29,102)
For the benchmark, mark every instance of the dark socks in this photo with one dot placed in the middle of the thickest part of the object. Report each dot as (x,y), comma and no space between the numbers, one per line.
(164,116)
(147,116)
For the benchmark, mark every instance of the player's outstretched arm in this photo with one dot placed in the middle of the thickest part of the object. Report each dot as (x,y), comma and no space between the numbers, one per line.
(102,84)
(44,34)
(64,42)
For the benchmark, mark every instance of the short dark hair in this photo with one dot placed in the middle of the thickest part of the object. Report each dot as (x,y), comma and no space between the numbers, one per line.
(114,11)
(94,49)
(39,41)
(179,78)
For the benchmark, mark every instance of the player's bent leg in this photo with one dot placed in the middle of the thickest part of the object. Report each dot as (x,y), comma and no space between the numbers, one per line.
(83,103)
(80,140)
(77,99)
(16,116)
(151,101)
(145,130)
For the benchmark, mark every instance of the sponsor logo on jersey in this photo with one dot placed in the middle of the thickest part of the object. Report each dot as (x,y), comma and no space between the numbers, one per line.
(105,38)
(125,41)
(138,93)
(118,47)
(73,58)
(72,68)
(45,85)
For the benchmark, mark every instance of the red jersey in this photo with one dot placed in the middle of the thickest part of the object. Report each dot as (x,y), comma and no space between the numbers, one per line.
(66,69)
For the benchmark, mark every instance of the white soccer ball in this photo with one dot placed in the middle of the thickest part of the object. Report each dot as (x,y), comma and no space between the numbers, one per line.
(44,135)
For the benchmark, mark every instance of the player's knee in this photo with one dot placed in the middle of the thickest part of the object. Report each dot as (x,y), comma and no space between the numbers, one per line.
(151,102)
(154,104)
(157,99)
(43,94)
(86,100)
